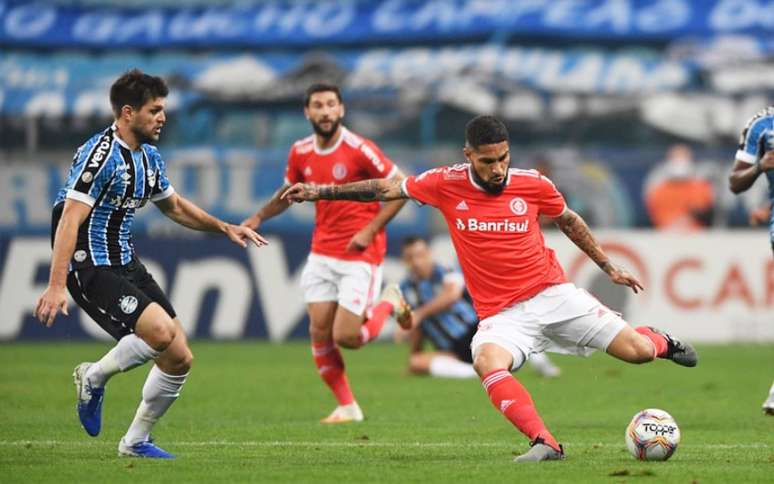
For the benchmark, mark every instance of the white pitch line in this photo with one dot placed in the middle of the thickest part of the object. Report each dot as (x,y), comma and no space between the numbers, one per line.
(363,443)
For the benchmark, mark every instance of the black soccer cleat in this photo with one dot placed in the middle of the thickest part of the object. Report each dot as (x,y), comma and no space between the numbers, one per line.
(678,351)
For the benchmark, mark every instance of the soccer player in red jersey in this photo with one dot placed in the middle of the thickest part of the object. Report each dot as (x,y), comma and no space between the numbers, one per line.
(523,300)
(343,275)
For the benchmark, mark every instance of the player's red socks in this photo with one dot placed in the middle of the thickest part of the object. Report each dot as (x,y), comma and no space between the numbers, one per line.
(659,342)
(330,365)
(514,402)
(373,326)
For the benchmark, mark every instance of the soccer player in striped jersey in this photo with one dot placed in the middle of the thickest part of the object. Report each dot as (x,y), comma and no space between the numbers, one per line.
(755,157)
(443,314)
(524,302)
(113,174)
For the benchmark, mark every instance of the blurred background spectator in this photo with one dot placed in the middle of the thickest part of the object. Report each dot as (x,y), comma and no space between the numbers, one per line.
(677,196)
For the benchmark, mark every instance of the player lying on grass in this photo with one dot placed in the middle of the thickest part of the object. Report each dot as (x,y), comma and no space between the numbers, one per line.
(443,314)
(524,302)
(114,173)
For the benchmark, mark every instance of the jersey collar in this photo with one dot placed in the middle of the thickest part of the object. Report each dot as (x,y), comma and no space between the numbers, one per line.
(118,138)
(328,151)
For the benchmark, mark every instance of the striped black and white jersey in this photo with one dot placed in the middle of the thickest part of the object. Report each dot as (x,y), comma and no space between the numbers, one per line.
(115,181)
(447,329)
(757,138)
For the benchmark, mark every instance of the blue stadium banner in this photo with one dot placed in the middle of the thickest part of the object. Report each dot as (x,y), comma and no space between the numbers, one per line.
(310,22)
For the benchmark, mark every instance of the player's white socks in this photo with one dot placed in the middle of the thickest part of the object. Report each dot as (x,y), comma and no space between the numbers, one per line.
(771,392)
(447,367)
(130,352)
(158,394)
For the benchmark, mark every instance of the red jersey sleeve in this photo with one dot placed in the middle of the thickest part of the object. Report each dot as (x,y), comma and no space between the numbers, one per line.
(424,188)
(376,163)
(292,171)
(552,202)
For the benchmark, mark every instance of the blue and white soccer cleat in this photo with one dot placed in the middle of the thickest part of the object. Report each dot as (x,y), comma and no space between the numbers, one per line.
(145,449)
(89,400)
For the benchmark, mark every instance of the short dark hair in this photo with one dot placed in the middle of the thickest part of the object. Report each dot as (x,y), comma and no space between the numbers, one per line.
(410,240)
(135,88)
(321,87)
(485,130)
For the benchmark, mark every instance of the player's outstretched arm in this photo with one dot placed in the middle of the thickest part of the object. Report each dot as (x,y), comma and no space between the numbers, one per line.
(744,174)
(275,206)
(54,298)
(576,229)
(363,238)
(186,213)
(363,191)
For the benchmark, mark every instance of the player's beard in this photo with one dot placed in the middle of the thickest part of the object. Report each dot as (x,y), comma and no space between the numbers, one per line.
(490,187)
(326,134)
(143,137)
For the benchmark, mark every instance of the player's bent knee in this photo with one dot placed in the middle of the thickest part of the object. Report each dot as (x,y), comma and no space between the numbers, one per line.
(158,333)
(347,340)
(489,357)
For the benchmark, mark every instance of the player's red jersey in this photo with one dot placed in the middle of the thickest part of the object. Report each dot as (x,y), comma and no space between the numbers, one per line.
(497,237)
(352,158)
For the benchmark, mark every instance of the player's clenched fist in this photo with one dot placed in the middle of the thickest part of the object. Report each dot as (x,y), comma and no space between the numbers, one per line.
(302,192)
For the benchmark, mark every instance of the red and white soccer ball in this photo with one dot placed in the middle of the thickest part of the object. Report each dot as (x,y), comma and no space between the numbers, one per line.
(652,435)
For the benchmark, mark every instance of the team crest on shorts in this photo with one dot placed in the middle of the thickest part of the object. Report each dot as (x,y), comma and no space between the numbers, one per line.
(80,255)
(339,171)
(518,206)
(128,304)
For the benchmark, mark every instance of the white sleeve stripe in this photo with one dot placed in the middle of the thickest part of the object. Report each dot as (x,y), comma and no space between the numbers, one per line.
(287,182)
(392,172)
(746,157)
(165,194)
(81,197)
(454,278)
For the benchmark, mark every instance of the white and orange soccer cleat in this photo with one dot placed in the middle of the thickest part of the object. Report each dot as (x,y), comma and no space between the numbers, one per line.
(344,414)
(401,311)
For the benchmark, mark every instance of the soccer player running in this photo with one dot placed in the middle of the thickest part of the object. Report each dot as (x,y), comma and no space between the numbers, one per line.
(443,314)
(343,274)
(520,292)
(754,157)
(114,173)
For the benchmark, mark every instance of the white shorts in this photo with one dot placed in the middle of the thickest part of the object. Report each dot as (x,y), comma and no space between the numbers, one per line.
(353,284)
(560,319)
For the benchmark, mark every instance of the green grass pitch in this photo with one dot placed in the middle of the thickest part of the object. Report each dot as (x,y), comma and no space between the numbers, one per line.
(249,413)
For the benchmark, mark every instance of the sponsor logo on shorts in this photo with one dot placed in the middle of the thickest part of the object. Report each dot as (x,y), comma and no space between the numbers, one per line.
(128,304)
(80,255)
(518,206)
(87,177)
(475,225)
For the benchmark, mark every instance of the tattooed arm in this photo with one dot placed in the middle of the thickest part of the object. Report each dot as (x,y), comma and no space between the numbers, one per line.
(363,191)
(575,228)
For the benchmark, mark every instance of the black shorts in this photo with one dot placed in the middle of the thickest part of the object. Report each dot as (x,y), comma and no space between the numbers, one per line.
(116,296)
(461,348)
